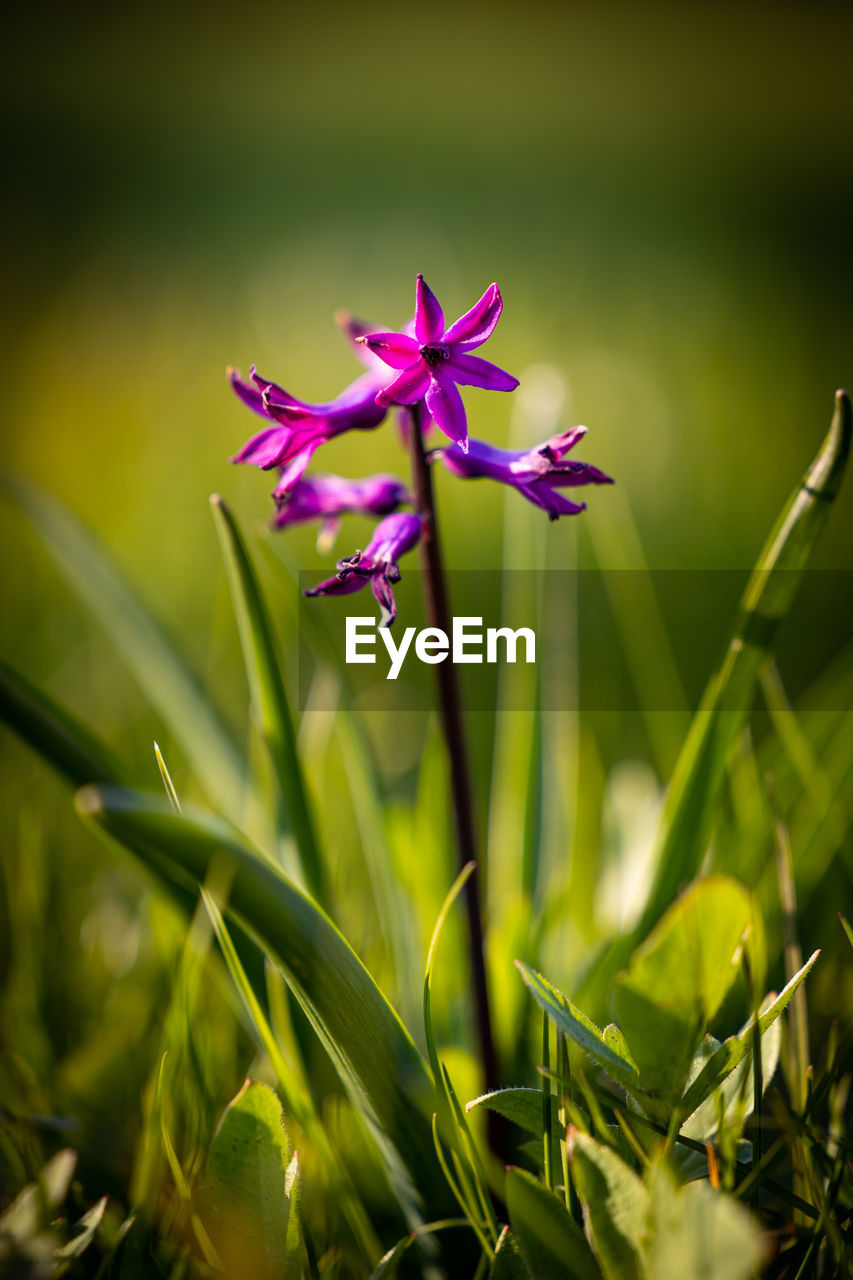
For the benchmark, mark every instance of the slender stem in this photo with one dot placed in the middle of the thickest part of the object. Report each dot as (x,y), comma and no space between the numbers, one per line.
(438,613)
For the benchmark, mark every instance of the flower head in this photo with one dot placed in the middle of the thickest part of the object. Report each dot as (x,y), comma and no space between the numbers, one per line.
(536,473)
(377,564)
(327,498)
(435,361)
(300,428)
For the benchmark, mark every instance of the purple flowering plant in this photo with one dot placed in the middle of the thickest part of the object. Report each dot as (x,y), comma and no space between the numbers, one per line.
(419,368)
(609,1109)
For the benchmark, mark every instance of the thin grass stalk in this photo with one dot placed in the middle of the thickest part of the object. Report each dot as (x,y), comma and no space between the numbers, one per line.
(438,613)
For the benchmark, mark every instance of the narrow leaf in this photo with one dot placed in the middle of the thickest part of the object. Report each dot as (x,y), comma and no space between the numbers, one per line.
(578,1027)
(268,695)
(686,823)
(376,1059)
(732,1051)
(160,669)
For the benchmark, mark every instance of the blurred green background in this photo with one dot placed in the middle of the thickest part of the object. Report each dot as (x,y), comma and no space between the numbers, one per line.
(665,196)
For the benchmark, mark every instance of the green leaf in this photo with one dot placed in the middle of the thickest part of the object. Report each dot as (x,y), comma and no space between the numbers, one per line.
(389,1263)
(732,1051)
(162,672)
(553,1245)
(578,1027)
(696,1231)
(269,698)
(38,1202)
(252,1212)
(616,1203)
(509,1261)
(687,819)
(378,1064)
(736,1095)
(54,733)
(86,1229)
(520,1105)
(294,1091)
(677,980)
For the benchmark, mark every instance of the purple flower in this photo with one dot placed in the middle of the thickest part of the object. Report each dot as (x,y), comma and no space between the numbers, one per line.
(536,473)
(377,564)
(327,498)
(435,359)
(301,428)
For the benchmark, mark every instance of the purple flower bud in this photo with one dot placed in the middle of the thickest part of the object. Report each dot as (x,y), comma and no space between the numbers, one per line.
(377,564)
(536,473)
(433,360)
(327,498)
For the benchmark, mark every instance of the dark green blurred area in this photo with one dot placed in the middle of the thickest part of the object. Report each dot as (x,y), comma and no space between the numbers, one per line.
(663,193)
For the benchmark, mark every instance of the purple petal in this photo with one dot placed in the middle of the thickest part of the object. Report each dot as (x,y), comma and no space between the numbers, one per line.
(338,586)
(429,317)
(396,349)
(472,329)
(266,448)
(569,475)
(384,598)
(566,440)
(447,411)
(247,392)
(271,391)
(295,469)
(408,387)
(541,495)
(471,371)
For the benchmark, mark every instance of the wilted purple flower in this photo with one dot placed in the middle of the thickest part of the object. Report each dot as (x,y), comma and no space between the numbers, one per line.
(536,473)
(327,498)
(435,359)
(300,427)
(377,564)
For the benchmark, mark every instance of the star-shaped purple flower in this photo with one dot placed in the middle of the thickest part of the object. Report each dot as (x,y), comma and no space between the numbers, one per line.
(436,360)
(536,473)
(301,427)
(377,564)
(327,498)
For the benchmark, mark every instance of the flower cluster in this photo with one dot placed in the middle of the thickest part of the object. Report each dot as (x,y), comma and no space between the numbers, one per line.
(425,363)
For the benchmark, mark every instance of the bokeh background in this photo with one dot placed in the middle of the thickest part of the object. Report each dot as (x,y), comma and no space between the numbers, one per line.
(665,196)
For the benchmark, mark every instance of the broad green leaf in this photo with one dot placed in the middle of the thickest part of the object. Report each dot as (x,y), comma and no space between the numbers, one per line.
(252,1213)
(677,980)
(160,669)
(54,733)
(578,1027)
(616,1204)
(553,1245)
(736,1095)
(696,1231)
(377,1061)
(269,698)
(732,1051)
(522,1106)
(509,1261)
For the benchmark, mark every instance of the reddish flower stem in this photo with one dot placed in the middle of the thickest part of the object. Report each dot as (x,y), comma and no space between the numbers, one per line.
(438,614)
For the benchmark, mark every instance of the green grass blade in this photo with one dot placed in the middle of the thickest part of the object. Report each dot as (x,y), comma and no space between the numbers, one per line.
(687,819)
(376,1059)
(269,699)
(161,671)
(54,733)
